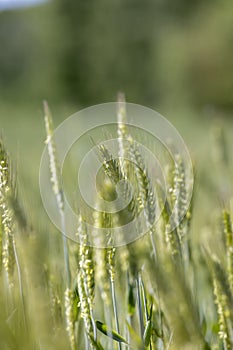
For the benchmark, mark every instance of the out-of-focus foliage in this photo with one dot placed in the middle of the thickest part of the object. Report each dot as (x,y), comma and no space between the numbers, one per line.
(85,51)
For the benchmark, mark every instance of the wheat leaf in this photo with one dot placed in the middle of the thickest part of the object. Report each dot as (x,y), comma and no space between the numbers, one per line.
(109,332)
(148,329)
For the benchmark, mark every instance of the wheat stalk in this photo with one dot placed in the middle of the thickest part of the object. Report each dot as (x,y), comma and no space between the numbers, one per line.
(56,183)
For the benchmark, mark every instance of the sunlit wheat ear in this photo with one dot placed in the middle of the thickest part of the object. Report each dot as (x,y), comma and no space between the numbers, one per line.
(146,196)
(86,279)
(223,299)
(100,255)
(222,315)
(113,170)
(56,182)
(70,322)
(171,236)
(110,251)
(126,166)
(53,162)
(122,128)
(125,141)
(135,170)
(179,200)
(84,308)
(179,197)
(227,227)
(6,214)
(179,192)
(111,166)
(8,218)
(127,145)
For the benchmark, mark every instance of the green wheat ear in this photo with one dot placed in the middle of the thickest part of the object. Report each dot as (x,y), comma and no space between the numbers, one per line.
(53,161)
(224,302)
(8,222)
(6,214)
(86,281)
(228,233)
(223,298)
(101,260)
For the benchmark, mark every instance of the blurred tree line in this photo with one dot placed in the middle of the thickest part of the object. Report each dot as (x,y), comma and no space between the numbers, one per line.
(84,51)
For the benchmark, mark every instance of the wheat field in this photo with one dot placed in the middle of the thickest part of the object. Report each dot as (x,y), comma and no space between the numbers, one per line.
(165,290)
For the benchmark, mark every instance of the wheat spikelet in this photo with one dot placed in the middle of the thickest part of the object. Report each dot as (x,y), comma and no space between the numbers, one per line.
(223,300)
(146,192)
(179,196)
(127,165)
(7,222)
(84,307)
(110,165)
(135,170)
(121,129)
(53,162)
(69,313)
(110,250)
(100,255)
(223,315)
(127,145)
(227,227)
(172,236)
(86,280)
(85,261)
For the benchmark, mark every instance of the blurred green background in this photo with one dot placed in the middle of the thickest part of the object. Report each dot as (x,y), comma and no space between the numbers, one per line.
(175,56)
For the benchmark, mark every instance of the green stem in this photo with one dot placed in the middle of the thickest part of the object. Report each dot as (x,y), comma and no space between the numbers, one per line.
(115,310)
(20,282)
(65,250)
(141,323)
